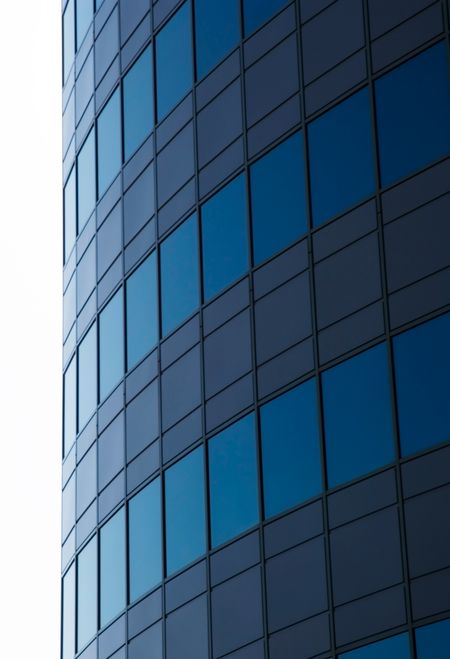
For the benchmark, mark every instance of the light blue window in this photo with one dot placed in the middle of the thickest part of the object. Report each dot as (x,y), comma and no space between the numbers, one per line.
(174,60)
(180,295)
(185,511)
(216,31)
(144,523)
(257,12)
(68,38)
(224,237)
(85,12)
(413,107)
(291,460)
(278,193)
(142,311)
(111,345)
(68,613)
(109,143)
(357,415)
(86,180)
(341,157)
(138,103)
(433,641)
(233,481)
(87,376)
(70,214)
(70,405)
(422,375)
(87,593)
(396,647)
(112,568)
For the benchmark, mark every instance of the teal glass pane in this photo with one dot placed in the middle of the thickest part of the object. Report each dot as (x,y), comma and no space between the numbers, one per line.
(144,524)
(70,214)
(142,311)
(217,31)
(396,647)
(185,511)
(85,12)
(278,194)
(70,405)
(224,237)
(111,346)
(87,377)
(68,614)
(180,294)
(413,107)
(138,103)
(233,481)
(433,641)
(68,38)
(341,157)
(87,594)
(357,415)
(422,367)
(174,61)
(291,460)
(86,180)
(257,12)
(109,143)
(112,568)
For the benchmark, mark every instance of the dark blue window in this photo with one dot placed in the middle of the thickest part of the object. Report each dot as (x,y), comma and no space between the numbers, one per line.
(224,237)
(233,481)
(277,184)
(112,568)
(138,103)
(109,149)
(185,511)
(413,109)
(433,641)
(70,214)
(68,614)
(422,374)
(290,449)
(68,38)
(174,61)
(85,12)
(396,647)
(257,12)
(357,415)
(216,31)
(70,405)
(144,522)
(111,344)
(142,311)
(87,594)
(179,275)
(86,180)
(87,376)
(341,157)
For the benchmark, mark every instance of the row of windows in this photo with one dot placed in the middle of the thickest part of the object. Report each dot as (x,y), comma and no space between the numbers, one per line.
(412,109)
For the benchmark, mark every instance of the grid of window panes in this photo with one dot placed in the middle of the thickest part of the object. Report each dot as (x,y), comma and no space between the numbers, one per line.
(256,330)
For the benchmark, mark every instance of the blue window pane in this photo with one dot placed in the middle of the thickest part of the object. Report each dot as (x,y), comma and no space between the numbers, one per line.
(68,38)
(277,184)
(257,12)
(413,107)
(224,237)
(87,377)
(144,521)
(396,647)
(70,214)
(179,275)
(422,367)
(138,103)
(290,449)
(341,157)
(87,594)
(433,641)
(357,414)
(233,481)
(185,511)
(68,614)
(86,180)
(174,61)
(109,157)
(70,405)
(216,31)
(85,11)
(111,345)
(142,311)
(112,568)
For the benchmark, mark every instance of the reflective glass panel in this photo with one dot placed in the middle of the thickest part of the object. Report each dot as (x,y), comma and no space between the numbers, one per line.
(174,60)
(224,237)
(433,641)
(216,31)
(86,180)
(68,614)
(111,345)
(138,103)
(70,214)
(413,106)
(87,376)
(85,11)
(109,149)
(357,416)
(341,158)
(68,38)
(70,405)
(179,275)
(142,311)
(422,367)
(185,511)
(87,593)
(112,568)
(233,481)
(257,12)
(144,523)
(277,184)
(396,647)
(290,449)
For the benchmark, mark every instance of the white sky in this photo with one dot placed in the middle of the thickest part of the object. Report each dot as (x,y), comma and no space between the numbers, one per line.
(30,327)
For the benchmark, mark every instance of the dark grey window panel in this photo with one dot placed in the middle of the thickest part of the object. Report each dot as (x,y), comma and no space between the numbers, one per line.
(235,558)
(285,368)
(86,438)
(426,472)
(175,164)
(86,314)
(138,162)
(226,306)
(110,408)
(228,161)
(216,81)
(142,375)
(274,125)
(180,342)
(112,638)
(83,50)
(85,122)
(131,14)
(139,203)
(430,594)
(109,240)
(144,614)
(281,269)
(86,480)
(149,643)
(161,10)
(142,467)
(293,529)
(86,523)
(310,8)
(140,244)
(172,124)
(142,420)
(269,36)
(253,651)
(111,279)
(176,207)
(84,86)
(186,587)
(108,83)
(102,15)
(86,277)
(106,46)
(136,41)
(185,433)
(111,496)
(419,299)
(303,640)
(384,15)
(181,388)
(229,402)
(187,631)
(108,201)
(111,451)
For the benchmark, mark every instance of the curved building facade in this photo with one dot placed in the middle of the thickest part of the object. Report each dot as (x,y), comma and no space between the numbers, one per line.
(256,440)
